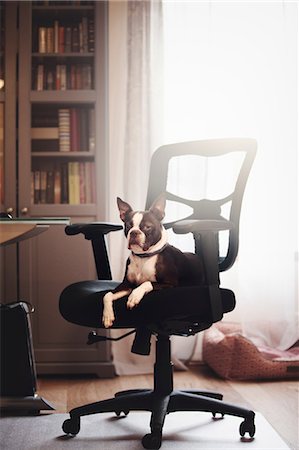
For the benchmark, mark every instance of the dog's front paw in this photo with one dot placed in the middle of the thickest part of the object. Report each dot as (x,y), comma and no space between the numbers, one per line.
(135,298)
(108,319)
(108,313)
(137,294)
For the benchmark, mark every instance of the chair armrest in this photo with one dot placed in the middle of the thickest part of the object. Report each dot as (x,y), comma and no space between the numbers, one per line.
(95,232)
(198,226)
(92,230)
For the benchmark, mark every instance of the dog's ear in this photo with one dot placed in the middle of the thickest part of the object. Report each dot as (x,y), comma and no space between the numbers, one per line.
(158,207)
(124,208)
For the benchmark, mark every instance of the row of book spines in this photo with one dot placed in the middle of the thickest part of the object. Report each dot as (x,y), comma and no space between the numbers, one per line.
(63,3)
(75,132)
(67,39)
(71,183)
(46,116)
(62,77)
(76,129)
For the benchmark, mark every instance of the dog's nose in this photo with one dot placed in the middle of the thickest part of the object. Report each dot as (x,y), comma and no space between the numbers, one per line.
(135,233)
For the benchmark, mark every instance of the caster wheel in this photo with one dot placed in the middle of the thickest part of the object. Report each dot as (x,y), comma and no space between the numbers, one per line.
(71,426)
(152,441)
(247,427)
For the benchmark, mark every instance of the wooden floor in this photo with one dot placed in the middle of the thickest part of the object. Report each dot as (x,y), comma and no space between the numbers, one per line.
(276,400)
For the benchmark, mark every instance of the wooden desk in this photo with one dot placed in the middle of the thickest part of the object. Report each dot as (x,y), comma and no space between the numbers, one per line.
(11,233)
(16,230)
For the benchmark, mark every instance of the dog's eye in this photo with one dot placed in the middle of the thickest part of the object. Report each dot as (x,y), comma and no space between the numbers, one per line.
(127,227)
(147,227)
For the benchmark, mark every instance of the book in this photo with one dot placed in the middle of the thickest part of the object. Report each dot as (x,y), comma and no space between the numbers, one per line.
(88,192)
(32,187)
(73,77)
(63,80)
(36,177)
(64,130)
(40,78)
(57,186)
(93,182)
(68,40)
(44,133)
(83,123)
(91,35)
(82,182)
(50,40)
(42,39)
(43,187)
(50,187)
(91,130)
(74,130)
(50,80)
(60,39)
(75,39)
(64,183)
(58,79)
(80,37)
(56,36)
(86,76)
(74,183)
(45,145)
(42,117)
(78,77)
(84,34)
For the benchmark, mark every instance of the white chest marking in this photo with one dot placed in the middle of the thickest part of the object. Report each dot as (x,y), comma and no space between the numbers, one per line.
(142,269)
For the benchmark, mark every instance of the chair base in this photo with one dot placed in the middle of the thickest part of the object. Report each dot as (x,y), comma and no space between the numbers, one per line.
(161,401)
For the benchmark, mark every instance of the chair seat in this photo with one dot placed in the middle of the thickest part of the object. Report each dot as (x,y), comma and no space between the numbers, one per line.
(82,303)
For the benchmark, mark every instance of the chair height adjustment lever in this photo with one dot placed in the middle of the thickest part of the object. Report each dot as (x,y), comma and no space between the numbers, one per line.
(93,337)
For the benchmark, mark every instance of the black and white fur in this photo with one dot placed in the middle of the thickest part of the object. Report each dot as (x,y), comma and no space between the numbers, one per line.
(153,263)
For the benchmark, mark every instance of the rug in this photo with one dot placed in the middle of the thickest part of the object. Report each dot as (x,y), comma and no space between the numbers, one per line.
(182,431)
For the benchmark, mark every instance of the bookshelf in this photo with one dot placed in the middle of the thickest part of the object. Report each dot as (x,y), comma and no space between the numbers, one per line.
(65,106)
(55,111)
(63,153)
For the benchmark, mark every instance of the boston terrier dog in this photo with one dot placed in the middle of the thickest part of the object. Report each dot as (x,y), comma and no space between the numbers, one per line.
(153,263)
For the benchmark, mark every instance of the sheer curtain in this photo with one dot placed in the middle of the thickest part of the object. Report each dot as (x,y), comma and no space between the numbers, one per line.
(135,75)
(228,70)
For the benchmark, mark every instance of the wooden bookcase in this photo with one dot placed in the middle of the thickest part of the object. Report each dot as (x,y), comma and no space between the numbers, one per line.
(8,161)
(55,157)
(66,110)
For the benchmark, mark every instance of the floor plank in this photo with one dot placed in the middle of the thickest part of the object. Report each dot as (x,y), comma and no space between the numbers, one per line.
(276,400)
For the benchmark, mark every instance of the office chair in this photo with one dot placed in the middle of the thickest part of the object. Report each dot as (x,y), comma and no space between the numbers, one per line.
(182,311)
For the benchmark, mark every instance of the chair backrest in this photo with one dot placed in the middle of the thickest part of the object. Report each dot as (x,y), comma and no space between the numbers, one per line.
(204,180)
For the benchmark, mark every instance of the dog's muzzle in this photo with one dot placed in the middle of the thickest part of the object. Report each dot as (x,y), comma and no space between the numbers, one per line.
(136,237)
